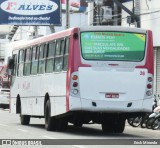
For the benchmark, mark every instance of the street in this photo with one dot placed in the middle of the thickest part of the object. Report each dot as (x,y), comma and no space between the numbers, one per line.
(10,128)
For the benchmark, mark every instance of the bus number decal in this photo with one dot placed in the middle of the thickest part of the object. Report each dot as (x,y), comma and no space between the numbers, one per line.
(142,73)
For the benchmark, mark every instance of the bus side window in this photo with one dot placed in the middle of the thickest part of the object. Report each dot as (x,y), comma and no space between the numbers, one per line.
(27,62)
(66,50)
(41,60)
(50,57)
(58,44)
(62,47)
(59,56)
(15,64)
(34,63)
(20,62)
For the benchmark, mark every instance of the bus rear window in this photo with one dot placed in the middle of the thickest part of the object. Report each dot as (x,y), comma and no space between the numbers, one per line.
(113,46)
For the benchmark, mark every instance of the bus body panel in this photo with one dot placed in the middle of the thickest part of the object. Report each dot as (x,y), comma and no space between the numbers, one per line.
(111,106)
(129,79)
(94,84)
(32,91)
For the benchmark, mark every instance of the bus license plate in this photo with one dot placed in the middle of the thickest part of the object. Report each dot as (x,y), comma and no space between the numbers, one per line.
(111,95)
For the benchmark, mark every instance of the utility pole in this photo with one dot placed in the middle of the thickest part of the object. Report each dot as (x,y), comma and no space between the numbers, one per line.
(67,15)
(135,17)
(35,33)
(115,23)
(52,28)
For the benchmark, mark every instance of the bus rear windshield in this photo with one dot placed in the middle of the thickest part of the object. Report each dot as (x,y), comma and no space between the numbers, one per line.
(113,46)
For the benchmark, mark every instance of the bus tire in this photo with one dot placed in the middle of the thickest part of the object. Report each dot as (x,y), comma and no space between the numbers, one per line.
(25,119)
(48,119)
(78,124)
(107,127)
(119,126)
(62,124)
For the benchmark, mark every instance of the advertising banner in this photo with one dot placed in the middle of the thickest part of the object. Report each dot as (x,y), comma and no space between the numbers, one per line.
(78,6)
(30,12)
(119,46)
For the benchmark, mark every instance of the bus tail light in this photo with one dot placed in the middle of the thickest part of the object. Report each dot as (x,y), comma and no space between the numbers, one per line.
(75,91)
(150,79)
(74,84)
(149,86)
(148,93)
(75,77)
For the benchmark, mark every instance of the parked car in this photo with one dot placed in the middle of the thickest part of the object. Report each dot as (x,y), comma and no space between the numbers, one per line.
(4,96)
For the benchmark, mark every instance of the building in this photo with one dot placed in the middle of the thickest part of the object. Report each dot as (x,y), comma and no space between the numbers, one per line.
(4,30)
(149,12)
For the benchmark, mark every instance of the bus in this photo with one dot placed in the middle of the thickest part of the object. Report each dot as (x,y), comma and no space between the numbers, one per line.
(98,74)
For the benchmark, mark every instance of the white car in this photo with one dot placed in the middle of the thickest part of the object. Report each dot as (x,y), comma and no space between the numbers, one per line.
(4,97)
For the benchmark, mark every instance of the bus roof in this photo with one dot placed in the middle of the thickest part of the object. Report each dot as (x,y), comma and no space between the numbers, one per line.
(45,38)
(68,32)
(113,28)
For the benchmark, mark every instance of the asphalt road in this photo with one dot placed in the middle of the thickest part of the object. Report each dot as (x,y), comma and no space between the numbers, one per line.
(10,128)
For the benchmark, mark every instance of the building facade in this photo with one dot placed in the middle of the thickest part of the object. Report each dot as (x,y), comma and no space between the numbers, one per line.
(149,12)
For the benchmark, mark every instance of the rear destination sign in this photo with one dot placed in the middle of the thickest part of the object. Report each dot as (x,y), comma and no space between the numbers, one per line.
(30,12)
(116,46)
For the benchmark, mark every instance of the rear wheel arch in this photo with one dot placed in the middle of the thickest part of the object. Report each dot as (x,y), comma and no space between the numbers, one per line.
(45,100)
(18,105)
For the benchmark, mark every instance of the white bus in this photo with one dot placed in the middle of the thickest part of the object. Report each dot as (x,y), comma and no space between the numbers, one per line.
(100,74)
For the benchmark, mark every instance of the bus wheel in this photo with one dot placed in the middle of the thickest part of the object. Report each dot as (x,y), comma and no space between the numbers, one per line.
(78,124)
(107,127)
(25,119)
(62,124)
(48,119)
(119,126)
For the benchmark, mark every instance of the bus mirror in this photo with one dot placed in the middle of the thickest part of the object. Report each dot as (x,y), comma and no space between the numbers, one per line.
(75,36)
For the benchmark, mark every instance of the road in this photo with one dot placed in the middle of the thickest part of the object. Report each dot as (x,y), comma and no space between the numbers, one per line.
(10,128)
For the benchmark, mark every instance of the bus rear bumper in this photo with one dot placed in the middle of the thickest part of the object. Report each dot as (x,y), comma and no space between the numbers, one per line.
(79,104)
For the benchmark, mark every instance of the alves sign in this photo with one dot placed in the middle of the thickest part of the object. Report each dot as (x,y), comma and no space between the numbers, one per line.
(30,12)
